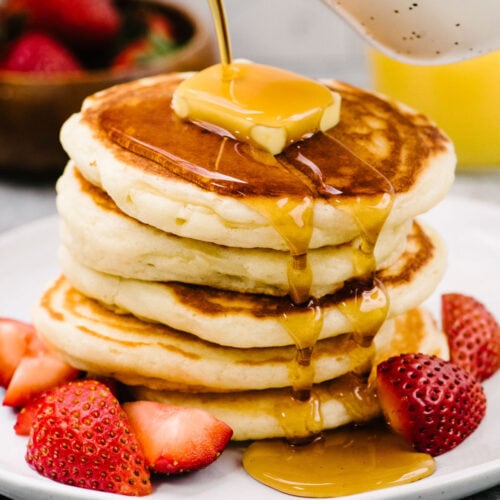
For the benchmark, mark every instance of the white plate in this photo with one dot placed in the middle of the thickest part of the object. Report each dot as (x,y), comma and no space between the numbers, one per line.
(472,232)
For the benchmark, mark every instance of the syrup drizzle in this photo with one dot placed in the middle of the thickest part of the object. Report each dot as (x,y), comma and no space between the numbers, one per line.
(289,208)
(238,169)
(219,19)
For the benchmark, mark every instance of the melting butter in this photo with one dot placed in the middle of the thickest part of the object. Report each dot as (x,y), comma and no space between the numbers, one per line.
(262,105)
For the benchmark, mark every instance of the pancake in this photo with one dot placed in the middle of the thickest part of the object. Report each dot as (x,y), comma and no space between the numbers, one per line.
(94,338)
(188,256)
(254,414)
(179,178)
(350,398)
(244,320)
(414,331)
(98,234)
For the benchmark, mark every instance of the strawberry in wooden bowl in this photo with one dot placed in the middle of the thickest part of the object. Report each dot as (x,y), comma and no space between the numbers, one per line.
(56,52)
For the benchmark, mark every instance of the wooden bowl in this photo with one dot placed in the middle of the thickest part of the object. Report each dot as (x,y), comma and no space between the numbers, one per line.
(32,109)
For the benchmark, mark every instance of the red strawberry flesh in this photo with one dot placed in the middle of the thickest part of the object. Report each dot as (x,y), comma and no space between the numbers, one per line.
(35,374)
(177,439)
(26,416)
(77,22)
(14,340)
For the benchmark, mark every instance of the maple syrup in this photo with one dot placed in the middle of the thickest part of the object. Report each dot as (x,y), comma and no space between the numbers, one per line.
(262,105)
(344,462)
(219,19)
(283,188)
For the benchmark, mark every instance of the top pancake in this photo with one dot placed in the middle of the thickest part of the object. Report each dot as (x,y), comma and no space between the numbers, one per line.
(200,185)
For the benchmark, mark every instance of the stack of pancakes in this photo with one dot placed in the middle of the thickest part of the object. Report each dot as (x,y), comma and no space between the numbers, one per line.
(179,250)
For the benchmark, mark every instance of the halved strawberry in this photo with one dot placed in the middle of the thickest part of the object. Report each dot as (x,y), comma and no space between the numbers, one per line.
(432,403)
(81,437)
(14,338)
(35,374)
(27,365)
(177,439)
(473,334)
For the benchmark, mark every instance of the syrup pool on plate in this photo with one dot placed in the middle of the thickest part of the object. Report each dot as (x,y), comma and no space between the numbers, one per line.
(345,461)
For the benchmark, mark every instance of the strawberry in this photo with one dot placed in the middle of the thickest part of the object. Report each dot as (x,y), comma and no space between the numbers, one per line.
(14,336)
(432,403)
(157,42)
(77,22)
(81,437)
(473,334)
(35,374)
(36,52)
(26,416)
(177,439)
(27,366)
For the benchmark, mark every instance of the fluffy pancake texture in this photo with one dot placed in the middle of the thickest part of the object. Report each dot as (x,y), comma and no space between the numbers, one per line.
(254,414)
(102,237)
(245,320)
(198,270)
(350,398)
(241,386)
(393,147)
(95,338)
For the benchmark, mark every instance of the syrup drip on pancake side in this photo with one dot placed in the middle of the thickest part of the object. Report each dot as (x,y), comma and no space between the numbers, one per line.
(284,189)
(294,183)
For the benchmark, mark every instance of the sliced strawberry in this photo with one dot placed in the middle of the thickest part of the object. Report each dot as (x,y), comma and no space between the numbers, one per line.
(177,439)
(28,366)
(14,338)
(130,56)
(432,403)
(81,437)
(35,374)
(36,52)
(473,335)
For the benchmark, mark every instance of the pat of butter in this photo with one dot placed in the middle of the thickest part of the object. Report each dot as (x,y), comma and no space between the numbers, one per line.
(262,105)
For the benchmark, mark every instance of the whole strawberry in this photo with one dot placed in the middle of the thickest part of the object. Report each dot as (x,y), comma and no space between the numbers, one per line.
(473,335)
(81,437)
(432,403)
(85,23)
(36,52)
